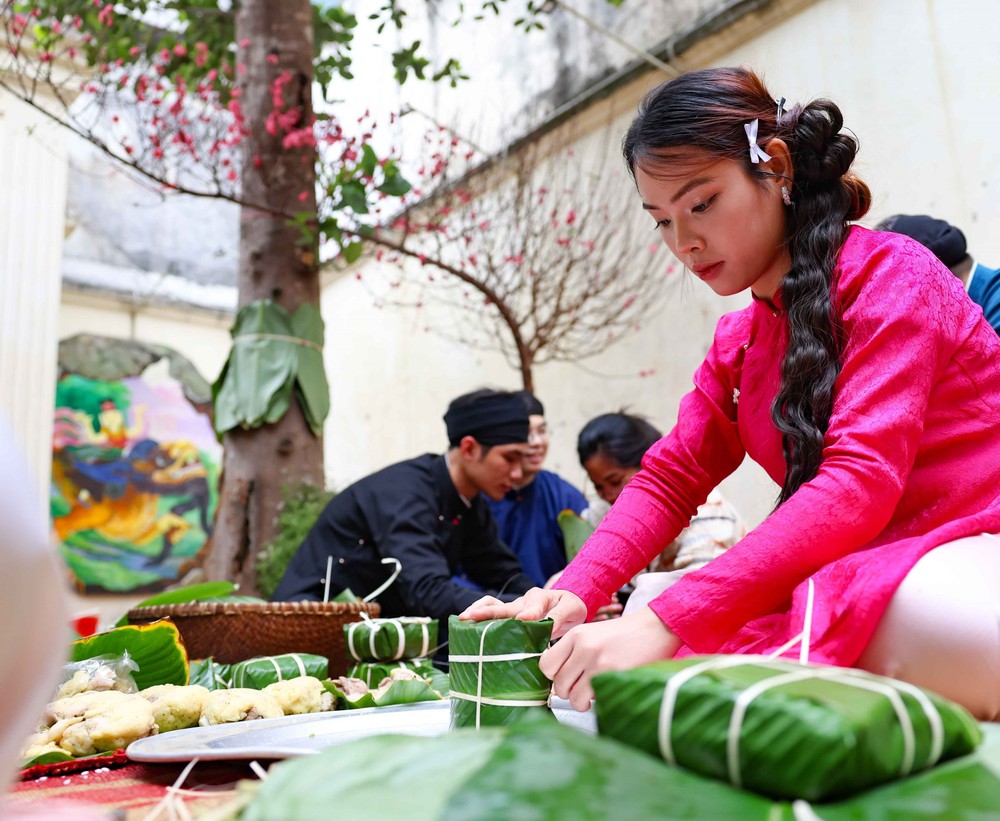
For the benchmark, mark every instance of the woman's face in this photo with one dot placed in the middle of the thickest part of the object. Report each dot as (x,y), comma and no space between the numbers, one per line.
(608,476)
(726,228)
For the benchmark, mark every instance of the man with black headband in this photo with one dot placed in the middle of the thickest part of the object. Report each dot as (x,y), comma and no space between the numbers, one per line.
(428,517)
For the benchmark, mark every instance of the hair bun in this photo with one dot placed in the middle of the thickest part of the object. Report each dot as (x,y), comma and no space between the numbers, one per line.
(823,153)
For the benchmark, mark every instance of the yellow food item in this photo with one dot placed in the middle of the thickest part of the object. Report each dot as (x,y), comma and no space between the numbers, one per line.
(98,722)
(304,694)
(176,707)
(239,704)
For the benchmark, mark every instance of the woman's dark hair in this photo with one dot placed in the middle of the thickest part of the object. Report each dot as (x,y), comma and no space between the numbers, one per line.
(617,436)
(706,110)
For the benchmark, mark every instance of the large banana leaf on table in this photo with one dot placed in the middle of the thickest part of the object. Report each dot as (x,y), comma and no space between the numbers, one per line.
(536,769)
(540,769)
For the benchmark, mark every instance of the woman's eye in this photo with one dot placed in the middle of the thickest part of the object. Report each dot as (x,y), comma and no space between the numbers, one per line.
(703,206)
(661,224)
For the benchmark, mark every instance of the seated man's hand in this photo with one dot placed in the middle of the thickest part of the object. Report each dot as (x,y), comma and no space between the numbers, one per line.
(566,609)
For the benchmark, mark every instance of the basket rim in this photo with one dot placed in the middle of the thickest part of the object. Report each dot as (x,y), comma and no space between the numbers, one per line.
(296,608)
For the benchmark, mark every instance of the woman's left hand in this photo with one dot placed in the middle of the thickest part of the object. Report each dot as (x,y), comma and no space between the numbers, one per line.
(617,644)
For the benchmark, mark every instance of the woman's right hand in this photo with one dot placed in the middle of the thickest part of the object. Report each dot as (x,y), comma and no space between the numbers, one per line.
(566,609)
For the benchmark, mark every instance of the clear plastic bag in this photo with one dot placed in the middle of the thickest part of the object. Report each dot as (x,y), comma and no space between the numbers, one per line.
(98,673)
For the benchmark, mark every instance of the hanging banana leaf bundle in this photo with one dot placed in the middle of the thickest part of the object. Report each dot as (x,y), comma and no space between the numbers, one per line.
(493,668)
(276,356)
(257,673)
(407,637)
(782,729)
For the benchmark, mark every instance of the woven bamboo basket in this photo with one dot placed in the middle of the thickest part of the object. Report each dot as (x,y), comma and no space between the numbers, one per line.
(235,631)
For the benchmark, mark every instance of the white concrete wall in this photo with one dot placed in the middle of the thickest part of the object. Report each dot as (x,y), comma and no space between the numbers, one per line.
(917,82)
(201,337)
(32,204)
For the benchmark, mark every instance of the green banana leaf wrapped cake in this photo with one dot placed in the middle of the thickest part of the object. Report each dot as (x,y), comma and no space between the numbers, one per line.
(493,667)
(372,673)
(406,637)
(782,729)
(257,673)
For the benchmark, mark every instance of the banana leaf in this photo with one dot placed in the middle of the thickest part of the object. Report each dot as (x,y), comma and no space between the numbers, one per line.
(782,729)
(372,673)
(182,595)
(536,769)
(390,639)
(575,531)
(311,387)
(493,668)
(58,758)
(211,674)
(399,692)
(257,673)
(257,381)
(156,647)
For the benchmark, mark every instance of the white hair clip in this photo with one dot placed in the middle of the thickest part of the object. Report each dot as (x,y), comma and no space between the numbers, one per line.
(756,152)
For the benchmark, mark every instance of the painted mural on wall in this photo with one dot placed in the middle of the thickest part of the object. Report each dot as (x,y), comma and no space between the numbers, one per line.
(135,465)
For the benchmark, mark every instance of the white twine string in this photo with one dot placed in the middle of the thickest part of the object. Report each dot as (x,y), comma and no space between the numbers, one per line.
(386,584)
(499,657)
(326,581)
(170,800)
(500,702)
(803,811)
(479,675)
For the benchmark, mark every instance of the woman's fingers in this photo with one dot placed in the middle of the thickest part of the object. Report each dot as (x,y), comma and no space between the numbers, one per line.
(594,648)
(489,607)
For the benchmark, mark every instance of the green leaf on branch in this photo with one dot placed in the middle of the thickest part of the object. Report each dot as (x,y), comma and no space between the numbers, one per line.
(406,60)
(369,161)
(394,184)
(352,252)
(354,196)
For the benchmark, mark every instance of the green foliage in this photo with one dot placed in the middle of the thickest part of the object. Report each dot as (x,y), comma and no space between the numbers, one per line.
(300,508)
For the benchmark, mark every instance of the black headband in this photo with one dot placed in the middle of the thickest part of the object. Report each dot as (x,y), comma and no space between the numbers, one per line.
(493,419)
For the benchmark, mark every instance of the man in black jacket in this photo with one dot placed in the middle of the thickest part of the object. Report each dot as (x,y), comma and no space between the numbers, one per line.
(404,531)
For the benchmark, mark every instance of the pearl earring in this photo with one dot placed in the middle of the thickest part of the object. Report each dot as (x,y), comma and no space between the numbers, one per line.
(786,198)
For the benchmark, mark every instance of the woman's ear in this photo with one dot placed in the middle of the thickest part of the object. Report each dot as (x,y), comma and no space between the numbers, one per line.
(780,163)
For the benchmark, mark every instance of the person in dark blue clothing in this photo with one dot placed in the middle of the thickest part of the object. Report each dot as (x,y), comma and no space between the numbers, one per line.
(528,515)
(949,246)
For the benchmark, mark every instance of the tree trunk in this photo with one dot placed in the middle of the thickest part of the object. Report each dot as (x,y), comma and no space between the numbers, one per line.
(276,36)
